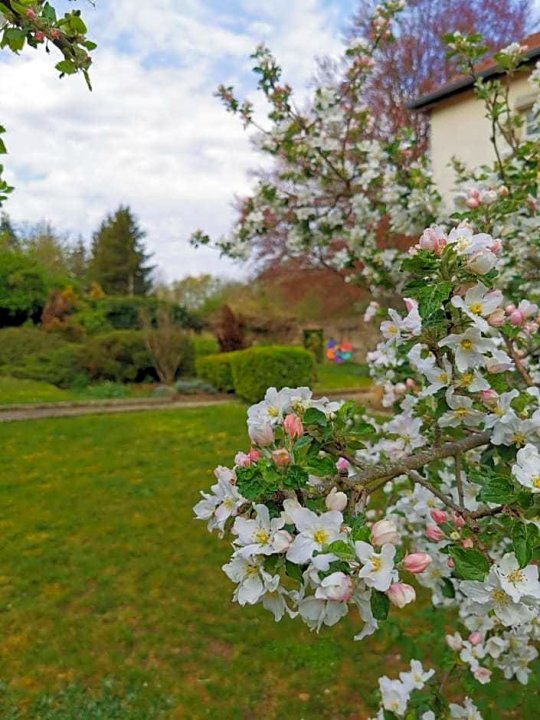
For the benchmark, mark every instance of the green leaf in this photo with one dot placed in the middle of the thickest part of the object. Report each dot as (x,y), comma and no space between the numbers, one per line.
(359,529)
(431,297)
(13,38)
(296,478)
(293,571)
(497,489)
(469,564)
(522,550)
(448,589)
(342,549)
(380,605)
(66,67)
(312,416)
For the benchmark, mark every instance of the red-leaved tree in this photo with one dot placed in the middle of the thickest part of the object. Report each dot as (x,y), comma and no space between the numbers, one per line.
(417,63)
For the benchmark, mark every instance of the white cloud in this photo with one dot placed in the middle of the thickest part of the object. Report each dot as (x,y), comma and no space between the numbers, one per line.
(151,134)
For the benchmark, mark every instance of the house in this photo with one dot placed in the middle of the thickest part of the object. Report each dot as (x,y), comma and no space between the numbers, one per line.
(458,126)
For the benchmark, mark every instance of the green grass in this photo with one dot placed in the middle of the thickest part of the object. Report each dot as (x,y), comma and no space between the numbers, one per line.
(113,604)
(15,390)
(341,376)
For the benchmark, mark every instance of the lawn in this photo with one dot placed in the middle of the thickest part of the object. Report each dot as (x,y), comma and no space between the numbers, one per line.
(342,376)
(113,604)
(17,390)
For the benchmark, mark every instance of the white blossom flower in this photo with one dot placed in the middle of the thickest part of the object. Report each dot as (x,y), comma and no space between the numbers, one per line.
(315,531)
(316,613)
(527,468)
(253,581)
(467,711)
(395,695)
(337,587)
(378,568)
(417,677)
(518,582)
(256,537)
(223,504)
(478,303)
(491,595)
(461,412)
(469,348)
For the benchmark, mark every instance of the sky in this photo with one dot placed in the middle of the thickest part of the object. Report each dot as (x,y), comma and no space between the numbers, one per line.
(152,134)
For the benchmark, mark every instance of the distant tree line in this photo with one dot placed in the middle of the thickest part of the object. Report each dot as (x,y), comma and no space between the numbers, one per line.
(35,260)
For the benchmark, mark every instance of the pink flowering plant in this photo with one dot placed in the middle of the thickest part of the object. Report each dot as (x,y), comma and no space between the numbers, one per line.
(332,512)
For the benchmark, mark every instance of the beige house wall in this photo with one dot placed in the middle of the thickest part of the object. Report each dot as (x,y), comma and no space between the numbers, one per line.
(460,129)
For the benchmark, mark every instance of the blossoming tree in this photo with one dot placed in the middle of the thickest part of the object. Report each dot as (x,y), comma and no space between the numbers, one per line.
(332,512)
(34,23)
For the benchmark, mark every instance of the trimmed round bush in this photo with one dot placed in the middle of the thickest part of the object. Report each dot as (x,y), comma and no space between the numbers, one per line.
(205,344)
(216,370)
(256,369)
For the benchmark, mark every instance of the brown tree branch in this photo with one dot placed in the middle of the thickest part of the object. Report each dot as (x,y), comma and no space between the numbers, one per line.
(417,461)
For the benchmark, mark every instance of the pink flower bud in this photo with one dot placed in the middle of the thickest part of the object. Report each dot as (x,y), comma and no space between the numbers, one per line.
(242,460)
(293,426)
(504,191)
(336,500)
(458,520)
(438,516)
(254,455)
(496,246)
(497,318)
(482,674)
(450,563)
(467,543)
(384,531)
(261,434)
(509,309)
(281,457)
(489,396)
(472,203)
(55,34)
(282,541)
(31,14)
(434,533)
(342,465)
(39,36)
(475,637)
(401,594)
(409,382)
(517,317)
(417,562)
(454,642)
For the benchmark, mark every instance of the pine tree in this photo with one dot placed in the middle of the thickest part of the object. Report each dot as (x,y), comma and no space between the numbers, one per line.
(78,261)
(119,261)
(8,237)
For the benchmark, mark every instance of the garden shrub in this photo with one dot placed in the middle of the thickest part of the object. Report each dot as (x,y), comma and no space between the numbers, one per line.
(16,344)
(120,356)
(124,313)
(256,369)
(56,365)
(23,288)
(216,370)
(205,344)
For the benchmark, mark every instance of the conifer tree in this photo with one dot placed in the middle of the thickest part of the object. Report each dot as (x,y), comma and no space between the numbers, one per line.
(119,261)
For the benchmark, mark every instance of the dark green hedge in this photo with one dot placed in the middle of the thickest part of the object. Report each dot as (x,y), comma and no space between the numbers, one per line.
(216,370)
(258,368)
(250,372)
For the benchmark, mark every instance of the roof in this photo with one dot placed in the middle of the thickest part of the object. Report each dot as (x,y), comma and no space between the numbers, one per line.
(486,69)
